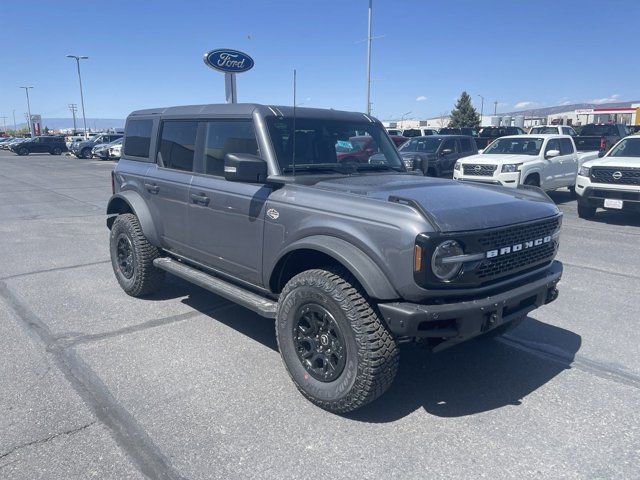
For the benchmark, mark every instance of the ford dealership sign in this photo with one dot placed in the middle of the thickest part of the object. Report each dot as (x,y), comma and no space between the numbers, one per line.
(228,61)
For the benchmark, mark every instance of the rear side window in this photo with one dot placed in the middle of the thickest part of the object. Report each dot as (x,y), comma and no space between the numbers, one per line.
(465,145)
(138,138)
(177,145)
(222,137)
(566,147)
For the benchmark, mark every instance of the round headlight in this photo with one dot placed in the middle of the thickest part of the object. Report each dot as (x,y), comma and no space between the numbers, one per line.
(441,265)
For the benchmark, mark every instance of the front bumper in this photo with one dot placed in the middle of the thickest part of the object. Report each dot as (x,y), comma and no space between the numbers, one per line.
(452,323)
(596,193)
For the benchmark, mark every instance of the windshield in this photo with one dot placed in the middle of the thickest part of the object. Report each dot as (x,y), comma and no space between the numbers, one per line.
(599,130)
(422,144)
(510,146)
(331,145)
(629,147)
(541,130)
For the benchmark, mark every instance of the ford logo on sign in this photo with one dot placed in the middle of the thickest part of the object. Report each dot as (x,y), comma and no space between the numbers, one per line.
(228,61)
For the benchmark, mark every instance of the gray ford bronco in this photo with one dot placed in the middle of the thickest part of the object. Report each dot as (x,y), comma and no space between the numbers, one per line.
(351,254)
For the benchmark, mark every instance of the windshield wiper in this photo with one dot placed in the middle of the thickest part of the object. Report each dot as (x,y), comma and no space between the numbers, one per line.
(378,166)
(339,168)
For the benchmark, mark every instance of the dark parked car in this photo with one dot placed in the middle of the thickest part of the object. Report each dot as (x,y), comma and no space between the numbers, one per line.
(83,149)
(436,155)
(473,132)
(600,136)
(359,149)
(43,144)
(489,134)
(252,203)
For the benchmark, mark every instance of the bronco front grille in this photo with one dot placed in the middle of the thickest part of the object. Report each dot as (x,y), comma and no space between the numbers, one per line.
(479,169)
(619,176)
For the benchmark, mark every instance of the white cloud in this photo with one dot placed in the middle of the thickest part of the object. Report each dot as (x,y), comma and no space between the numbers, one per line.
(613,98)
(525,104)
(421,98)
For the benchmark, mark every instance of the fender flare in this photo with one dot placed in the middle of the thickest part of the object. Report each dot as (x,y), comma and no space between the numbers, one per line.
(359,264)
(530,171)
(139,208)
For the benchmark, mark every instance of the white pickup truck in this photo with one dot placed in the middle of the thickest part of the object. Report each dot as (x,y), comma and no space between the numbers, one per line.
(546,161)
(611,182)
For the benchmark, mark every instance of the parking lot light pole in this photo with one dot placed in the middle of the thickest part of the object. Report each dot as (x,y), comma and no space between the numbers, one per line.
(481,107)
(26,89)
(77,59)
(15,125)
(369,60)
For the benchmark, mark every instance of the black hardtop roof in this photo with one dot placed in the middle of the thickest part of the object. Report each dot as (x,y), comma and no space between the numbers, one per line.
(247,109)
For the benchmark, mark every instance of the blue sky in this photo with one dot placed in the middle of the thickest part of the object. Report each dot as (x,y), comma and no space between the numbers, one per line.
(148,54)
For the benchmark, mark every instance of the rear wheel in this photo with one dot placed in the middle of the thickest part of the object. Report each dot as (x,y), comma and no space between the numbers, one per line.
(23,151)
(132,257)
(336,349)
(56,151)
(586,210)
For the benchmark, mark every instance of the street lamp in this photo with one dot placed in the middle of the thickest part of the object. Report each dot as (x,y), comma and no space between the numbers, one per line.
(402,118)
(481,107)
(77,59)
(26,89)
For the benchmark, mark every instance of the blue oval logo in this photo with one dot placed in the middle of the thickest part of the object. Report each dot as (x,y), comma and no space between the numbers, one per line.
(228,61)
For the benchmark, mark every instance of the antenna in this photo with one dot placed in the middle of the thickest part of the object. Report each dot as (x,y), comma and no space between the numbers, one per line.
(293,140)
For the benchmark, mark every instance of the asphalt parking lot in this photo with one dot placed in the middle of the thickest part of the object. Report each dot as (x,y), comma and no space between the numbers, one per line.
(95,384)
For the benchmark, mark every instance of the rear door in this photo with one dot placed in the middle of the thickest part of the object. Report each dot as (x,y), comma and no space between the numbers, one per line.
(569,162)
(167,182)
(226,219)
(466,147)
(553,170)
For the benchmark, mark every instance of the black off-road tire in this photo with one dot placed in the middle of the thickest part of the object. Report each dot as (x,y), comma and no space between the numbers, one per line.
(23,151)
(144,278)
(586,210)
(372,356)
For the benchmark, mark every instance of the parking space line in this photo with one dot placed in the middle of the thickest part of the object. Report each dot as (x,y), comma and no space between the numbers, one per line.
(56,269)
(602,370)
(601,270)
(125,430)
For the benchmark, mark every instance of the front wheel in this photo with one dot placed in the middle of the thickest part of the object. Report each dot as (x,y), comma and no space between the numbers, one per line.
(586,210)
(85,153)
(335,347)
(56,151)
(132,257)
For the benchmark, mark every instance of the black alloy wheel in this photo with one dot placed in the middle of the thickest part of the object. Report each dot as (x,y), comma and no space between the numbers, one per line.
(319,342)
(124,253)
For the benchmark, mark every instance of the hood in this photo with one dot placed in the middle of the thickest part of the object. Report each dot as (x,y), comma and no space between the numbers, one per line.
(451,206)
(623,162)
(493,159)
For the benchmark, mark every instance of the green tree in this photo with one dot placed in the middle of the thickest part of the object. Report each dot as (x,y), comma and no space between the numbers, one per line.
(46,130)
(463,114)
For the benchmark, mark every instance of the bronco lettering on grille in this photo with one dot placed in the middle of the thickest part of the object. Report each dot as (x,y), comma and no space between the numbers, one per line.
(519,246)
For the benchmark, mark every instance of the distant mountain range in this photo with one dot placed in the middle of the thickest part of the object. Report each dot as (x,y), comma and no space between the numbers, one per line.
(92,123)
(545,111)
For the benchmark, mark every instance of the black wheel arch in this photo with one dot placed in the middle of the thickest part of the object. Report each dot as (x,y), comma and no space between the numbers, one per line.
(132,202)
(321,250)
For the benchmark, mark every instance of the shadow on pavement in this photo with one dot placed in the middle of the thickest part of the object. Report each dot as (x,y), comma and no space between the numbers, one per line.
(561,197)
(474,377)
(612,217)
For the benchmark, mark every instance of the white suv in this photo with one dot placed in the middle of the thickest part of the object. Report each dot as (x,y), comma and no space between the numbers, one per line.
(611,182)
(546,161)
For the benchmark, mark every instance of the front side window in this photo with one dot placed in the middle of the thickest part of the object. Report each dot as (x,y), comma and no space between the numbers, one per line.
(177,145)
(553,144)
(331,145)
(222,137)
(449,145)
(138,138)
(522,146)
(629,147)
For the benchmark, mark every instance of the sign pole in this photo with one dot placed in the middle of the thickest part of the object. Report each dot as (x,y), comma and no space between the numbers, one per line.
(230,87)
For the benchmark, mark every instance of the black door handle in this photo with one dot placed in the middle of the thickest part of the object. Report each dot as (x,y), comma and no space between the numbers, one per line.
(200,198)
(152,187)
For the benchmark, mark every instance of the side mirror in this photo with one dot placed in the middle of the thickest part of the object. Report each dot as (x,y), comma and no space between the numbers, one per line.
(601,153)
(446,151)
(480,151)
(244,167)
(552,153)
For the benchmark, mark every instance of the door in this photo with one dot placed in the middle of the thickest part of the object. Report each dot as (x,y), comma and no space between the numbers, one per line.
(39,145)
(226,219)
(167,183)
(448,156)
(569,163)
(552,173)
(465,147)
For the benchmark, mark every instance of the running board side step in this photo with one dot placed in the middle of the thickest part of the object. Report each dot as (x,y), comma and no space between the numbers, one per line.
(262,306)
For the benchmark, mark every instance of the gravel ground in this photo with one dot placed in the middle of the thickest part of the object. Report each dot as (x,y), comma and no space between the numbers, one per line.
(186,385)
